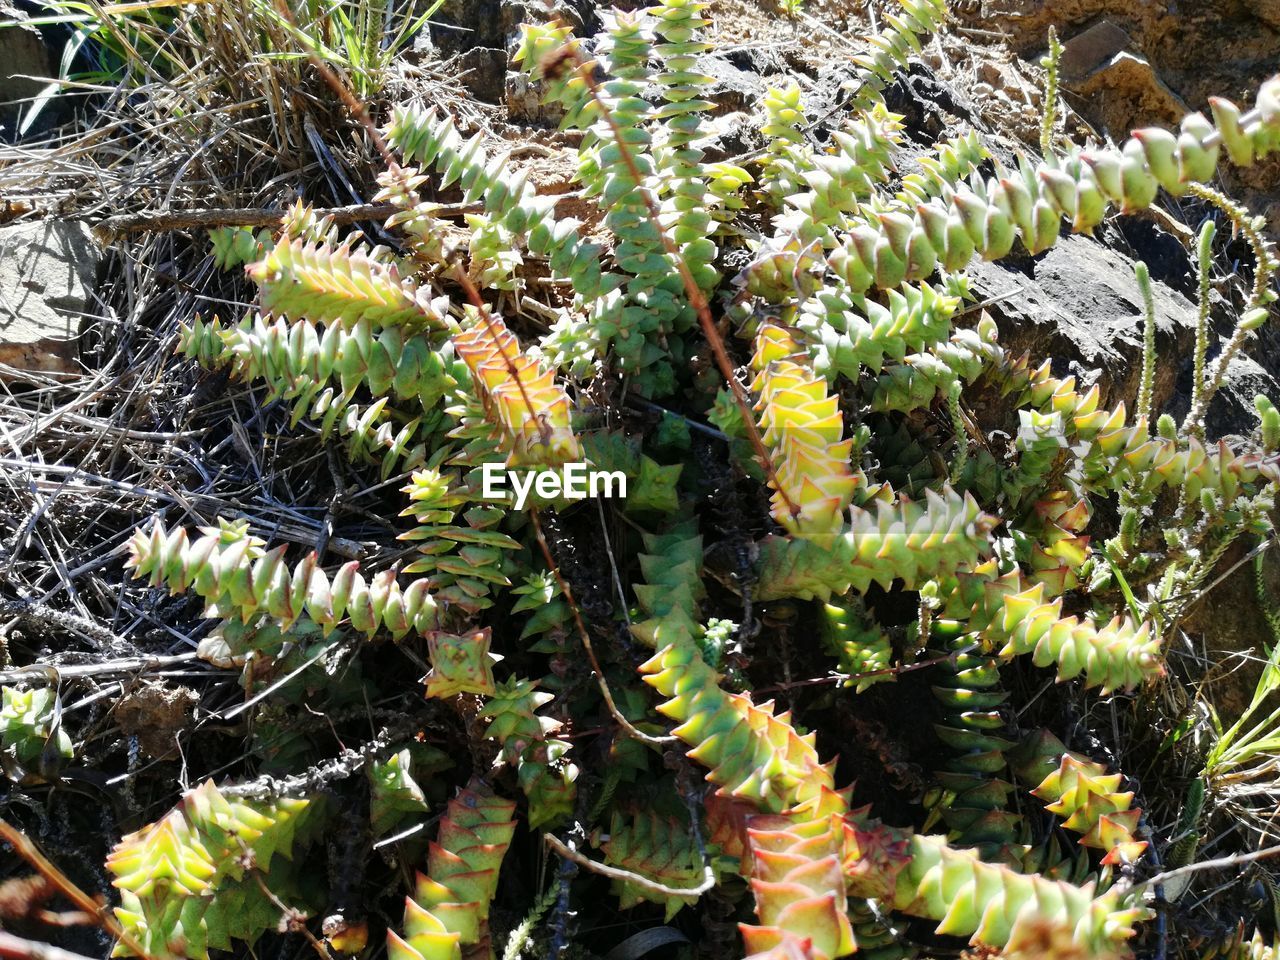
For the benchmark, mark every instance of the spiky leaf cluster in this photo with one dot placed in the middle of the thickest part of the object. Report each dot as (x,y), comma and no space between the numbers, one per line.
(657,848)
(339,285)
(1015,617)
(394,794)
(462,562)
(958,889)
(299,360)
(971,794)
(758,759)
(449,907)
(230,569)
(529,410)
(799,887)
(909,541)
(901,479)
(1084,795)
(863,651)
(801,423)
(546,774)
(187,882)
(30,730)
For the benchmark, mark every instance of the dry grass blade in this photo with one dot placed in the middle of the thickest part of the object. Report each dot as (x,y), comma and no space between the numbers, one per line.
(96,908)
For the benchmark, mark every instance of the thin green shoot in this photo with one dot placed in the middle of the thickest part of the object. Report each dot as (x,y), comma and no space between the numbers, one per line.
(363,43)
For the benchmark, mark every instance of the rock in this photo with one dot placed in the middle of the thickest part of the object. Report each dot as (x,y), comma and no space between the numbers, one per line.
(929,106)
(734,90)
(483,70)
(1231,411)
(47,274)
(1079,304)
(1091,50)
(481,36)
(523,98)
(524,102)
(1127,90)
(461,25)
(23,56)
(1268,11)
(731,135)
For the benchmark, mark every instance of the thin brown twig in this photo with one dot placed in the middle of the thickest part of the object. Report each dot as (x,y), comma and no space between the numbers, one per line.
(23,846)
(1221,863)
(349,99)
(614,873)
(290,916)
(161,220)
(482,310)
(894,671)
(692,290)
(16,948)
(623,722)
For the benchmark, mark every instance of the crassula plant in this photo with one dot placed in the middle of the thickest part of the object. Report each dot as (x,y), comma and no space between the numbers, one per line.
(812,371)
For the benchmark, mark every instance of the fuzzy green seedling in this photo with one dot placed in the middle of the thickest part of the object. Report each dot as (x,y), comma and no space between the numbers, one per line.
(1049,118)
(1269,423)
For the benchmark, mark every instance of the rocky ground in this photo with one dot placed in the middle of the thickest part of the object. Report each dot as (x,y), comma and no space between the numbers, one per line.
(1125,64)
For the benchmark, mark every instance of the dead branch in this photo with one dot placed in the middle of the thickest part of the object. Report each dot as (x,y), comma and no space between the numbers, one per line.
(16,948)
(162,220)
(29,852)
